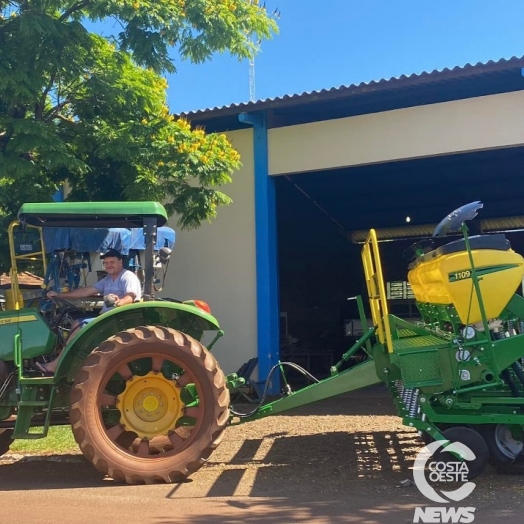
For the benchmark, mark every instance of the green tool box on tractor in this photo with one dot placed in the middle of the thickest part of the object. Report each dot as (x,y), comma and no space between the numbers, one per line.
(146,401)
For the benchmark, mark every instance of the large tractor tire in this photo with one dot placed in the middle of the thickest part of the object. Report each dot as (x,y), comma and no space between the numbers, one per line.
(150,404)
(505,446)
(5,440)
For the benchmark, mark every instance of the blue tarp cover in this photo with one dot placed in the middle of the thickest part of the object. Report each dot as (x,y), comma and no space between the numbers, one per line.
(100,240)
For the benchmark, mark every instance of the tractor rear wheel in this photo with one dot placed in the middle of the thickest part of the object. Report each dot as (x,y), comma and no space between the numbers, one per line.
(150,404)
(5,440)
(505,447)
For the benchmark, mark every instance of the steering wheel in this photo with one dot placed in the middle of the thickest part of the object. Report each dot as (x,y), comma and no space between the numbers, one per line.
(68,306)
(62,312)
(60,316)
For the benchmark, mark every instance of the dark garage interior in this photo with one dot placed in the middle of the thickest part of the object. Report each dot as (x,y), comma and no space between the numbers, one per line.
(321,215)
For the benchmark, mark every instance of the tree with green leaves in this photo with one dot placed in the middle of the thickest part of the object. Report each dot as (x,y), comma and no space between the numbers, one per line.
(92,112)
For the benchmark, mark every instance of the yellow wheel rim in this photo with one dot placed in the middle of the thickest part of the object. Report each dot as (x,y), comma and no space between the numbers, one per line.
(150,405)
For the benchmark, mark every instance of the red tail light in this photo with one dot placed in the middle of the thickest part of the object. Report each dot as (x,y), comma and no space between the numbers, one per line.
(200,304)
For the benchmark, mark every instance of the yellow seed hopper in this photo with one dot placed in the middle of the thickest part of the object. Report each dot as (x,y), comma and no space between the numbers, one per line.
(444,276)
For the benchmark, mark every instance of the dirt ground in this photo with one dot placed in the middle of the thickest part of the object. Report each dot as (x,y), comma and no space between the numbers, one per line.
(341,460)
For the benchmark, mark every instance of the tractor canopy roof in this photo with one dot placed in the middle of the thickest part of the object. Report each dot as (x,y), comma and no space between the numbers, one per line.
(92,214)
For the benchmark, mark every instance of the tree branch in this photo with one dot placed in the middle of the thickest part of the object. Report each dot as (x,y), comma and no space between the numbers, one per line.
(54,111)
(64,119)
(67,90)
(74,8)
(39,110)
(4,140)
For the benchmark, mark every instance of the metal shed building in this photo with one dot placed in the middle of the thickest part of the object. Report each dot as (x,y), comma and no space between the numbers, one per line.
(332,163)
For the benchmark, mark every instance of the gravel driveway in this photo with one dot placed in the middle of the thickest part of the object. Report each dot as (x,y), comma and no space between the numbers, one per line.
(340,460)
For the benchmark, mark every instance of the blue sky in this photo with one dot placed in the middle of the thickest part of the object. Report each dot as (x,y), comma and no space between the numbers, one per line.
(329,43)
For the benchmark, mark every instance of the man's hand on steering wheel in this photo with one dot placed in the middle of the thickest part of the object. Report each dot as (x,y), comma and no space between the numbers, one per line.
(61,302)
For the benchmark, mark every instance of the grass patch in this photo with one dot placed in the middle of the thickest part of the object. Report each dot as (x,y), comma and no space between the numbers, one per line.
(59,440)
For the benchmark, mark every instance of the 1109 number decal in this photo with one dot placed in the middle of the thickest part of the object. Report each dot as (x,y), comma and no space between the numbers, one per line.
(459,275)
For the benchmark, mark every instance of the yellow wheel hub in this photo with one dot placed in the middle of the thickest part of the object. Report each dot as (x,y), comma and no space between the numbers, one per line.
(150,405)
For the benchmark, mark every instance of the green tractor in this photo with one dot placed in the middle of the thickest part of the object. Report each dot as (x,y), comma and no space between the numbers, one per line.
(457,374)
(146,401)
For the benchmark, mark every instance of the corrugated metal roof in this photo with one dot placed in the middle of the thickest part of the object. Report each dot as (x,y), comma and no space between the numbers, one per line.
(468,81)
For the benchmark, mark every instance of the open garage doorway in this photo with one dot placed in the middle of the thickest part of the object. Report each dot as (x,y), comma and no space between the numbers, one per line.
(323,216)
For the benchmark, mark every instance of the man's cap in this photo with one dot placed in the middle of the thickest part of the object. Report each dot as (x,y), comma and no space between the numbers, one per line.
(111,253)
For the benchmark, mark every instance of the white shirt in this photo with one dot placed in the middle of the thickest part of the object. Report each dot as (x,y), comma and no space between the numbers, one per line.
(125,283)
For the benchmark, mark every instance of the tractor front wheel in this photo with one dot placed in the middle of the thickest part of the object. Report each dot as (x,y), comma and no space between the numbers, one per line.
(5,440)
(505,447)
(150,404)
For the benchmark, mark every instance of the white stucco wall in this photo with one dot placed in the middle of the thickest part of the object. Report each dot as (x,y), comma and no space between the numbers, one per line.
(216,263)
(458,126)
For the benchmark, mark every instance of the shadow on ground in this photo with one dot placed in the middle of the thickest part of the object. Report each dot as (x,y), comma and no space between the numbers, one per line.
(329,460)
(53,472)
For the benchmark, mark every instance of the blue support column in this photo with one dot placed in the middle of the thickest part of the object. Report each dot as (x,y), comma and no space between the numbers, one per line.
(268,339)
(59,195)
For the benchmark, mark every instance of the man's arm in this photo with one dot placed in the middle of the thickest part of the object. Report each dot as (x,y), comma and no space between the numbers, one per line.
(81,292)
(126,299)
(132,289)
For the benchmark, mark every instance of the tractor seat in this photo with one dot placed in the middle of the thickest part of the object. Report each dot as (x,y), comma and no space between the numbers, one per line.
(497,241)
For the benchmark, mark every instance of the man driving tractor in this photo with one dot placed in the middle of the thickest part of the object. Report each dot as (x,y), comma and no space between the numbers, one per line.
(119,288)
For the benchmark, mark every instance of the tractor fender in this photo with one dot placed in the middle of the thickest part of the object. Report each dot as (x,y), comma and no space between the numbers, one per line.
(183,317)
